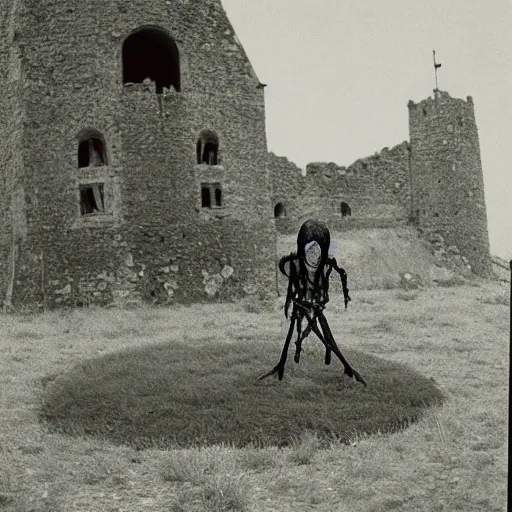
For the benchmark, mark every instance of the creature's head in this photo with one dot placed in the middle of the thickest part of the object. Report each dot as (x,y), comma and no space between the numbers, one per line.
(313,253)
(313,231)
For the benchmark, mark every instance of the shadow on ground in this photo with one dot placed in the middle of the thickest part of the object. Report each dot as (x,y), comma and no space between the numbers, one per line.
(176,394)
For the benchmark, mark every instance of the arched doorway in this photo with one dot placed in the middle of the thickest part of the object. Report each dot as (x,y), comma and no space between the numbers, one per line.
(345,210)
(279,210)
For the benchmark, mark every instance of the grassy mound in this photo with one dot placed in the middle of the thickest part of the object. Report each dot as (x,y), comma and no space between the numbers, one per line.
(180,395)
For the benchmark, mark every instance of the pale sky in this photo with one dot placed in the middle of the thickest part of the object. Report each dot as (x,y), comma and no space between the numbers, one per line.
(340,74)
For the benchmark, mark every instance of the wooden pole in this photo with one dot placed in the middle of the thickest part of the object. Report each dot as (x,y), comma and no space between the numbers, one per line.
(12,276)
(276,239)
(43,279)
(509,495)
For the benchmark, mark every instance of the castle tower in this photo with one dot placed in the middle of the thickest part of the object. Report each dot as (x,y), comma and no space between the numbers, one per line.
(446,176)
(133,154)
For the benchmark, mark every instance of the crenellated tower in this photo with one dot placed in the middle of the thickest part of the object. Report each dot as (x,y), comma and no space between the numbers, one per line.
(134,154)
(446,176)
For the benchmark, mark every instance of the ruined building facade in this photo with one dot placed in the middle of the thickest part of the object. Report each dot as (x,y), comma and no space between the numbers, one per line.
(434,181)
(134,161)
(133,155)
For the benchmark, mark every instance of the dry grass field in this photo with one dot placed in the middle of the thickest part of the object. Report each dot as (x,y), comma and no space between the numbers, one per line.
(452,459)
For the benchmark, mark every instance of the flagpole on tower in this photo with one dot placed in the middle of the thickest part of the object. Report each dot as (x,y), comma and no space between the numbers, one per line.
(436,66)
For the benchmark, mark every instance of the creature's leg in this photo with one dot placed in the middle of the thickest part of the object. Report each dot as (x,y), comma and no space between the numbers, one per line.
(298,346)
(303,336)
(317,331)
(314,327)
(327,359)
(279,367)
(329,338)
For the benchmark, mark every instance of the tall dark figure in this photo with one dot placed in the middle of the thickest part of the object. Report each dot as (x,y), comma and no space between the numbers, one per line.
(308,271)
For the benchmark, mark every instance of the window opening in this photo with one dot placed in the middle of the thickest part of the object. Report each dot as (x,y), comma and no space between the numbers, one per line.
(218,197)
(208,148)
(92,199)
(152,53)
(279,210)
(205,197)
(211,195)
(345,210)
(91,153)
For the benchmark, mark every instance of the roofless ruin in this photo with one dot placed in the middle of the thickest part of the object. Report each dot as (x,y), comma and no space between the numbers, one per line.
(135,167)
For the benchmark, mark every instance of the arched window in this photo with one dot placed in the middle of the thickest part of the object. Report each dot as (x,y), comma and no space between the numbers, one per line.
(91,149)
(207,148)
(345,210)
(151,53)
(279,210)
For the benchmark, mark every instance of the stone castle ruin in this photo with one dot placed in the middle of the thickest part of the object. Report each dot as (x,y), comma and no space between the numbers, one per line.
(434,182)
(135,166)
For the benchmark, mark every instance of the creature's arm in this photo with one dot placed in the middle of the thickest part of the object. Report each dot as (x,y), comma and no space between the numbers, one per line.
(343,276)
(287,268)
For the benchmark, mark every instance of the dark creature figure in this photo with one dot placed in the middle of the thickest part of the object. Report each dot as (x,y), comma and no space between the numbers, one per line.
(308,273)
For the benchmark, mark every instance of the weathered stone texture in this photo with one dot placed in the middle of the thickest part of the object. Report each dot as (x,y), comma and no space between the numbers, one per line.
(375,188)
(154,239)
(447,179)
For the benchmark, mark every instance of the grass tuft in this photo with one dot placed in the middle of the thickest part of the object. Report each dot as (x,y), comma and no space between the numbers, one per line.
(259,460)
(384,325)
(304,448)
(496,300)
(211,480)
(407,296)
(451,282)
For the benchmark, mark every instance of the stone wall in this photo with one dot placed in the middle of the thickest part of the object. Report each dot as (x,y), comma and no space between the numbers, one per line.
(376,190)
(154,241)
(447,179)
(288,187)
(13,229)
